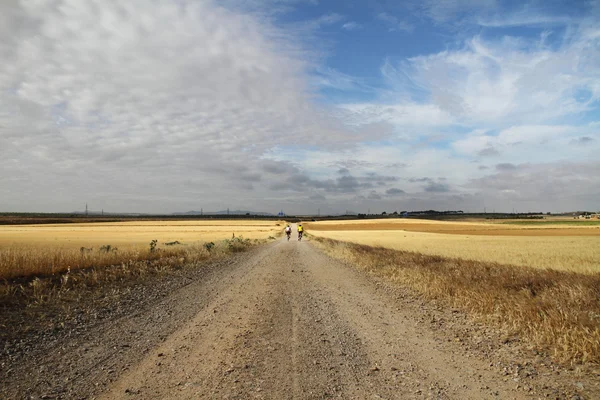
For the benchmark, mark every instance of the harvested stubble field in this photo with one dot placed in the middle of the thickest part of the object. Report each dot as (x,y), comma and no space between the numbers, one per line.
(27,250)
(559,246)
(543,288)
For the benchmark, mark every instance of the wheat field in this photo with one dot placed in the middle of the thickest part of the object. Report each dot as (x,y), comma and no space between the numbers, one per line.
(569,248)
(535,280)
(27,250)
(132,233)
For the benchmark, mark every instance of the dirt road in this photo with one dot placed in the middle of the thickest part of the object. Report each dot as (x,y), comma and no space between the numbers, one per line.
(282,322)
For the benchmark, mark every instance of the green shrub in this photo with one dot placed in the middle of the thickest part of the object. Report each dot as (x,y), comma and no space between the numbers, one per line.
(209,246)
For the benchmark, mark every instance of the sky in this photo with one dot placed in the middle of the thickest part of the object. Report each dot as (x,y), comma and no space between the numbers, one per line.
(304,106)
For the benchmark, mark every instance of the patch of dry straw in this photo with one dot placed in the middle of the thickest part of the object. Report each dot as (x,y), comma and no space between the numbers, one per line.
(48,302)
(557,311)
(40,276)
(25,261)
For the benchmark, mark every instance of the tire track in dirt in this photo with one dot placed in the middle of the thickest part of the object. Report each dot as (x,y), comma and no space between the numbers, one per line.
(294,354)
(82,362)
(405,360)
(256,340)
(199,359)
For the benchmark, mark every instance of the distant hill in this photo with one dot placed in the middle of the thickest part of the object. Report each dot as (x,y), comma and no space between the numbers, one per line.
(231,212)
(106,213)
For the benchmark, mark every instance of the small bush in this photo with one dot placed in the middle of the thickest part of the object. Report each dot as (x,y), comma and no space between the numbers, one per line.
(107,248)
(209,246)
(237,244)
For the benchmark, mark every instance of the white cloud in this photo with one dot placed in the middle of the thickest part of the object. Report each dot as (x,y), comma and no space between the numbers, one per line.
(528,136)
(326,77)
(136,99)
(266,8)
(154,106)
(403,115)
(523,100)
(443,11)
(351,26)
(531,144)
(558,186)
(401,160)
(508,81)
(322,21)
(524,19)
(394,24)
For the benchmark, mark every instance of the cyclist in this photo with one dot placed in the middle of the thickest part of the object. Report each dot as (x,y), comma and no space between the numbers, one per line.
(288,231)
(300,231)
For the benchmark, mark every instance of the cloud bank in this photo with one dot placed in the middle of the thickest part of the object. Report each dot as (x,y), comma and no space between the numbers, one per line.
(148,106)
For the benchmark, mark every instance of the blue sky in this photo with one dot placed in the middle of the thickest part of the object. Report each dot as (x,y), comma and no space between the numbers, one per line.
(300,105)
(412,64)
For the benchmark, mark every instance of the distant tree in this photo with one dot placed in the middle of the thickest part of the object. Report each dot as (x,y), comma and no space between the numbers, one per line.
(384,213)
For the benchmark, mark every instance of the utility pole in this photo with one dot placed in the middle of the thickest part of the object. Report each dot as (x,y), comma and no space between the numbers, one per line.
(319,212)
(227,210)
(86,210)
(201,211)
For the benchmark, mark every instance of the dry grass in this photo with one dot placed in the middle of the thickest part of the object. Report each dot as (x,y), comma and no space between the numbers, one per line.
(48,249)
(50,303)
(97,270)
(567,253)
(553,227)
(18,262)
(47,285)
(132,233)
(557,311)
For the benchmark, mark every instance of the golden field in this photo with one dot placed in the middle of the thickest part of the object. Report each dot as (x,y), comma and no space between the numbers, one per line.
(27,250)
(132,233)
(538,281)
(551,227)
(554,312)
(558,245)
